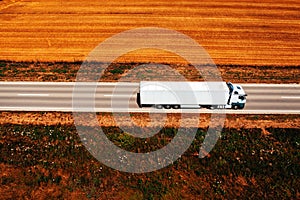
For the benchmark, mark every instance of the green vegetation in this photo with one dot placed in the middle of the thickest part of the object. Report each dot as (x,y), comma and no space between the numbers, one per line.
(2,64)
(66,71)
(244,164)
(119,69)
(116,71)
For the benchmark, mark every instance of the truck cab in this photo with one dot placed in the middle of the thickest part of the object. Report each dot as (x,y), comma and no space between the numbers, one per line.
(237,96)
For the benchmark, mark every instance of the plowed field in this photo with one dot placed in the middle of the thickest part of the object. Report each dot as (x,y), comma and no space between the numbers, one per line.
(233,32)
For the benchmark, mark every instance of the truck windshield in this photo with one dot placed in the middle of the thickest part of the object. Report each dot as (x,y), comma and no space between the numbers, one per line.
(230,86)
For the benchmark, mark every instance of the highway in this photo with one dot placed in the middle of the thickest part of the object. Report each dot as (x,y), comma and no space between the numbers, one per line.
(121,97)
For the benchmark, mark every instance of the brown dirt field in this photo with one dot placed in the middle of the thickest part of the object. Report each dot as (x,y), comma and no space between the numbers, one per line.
(247,32)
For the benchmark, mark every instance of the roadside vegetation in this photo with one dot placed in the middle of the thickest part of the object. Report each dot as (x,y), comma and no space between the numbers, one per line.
(66,72)
(51,162)
(42,156)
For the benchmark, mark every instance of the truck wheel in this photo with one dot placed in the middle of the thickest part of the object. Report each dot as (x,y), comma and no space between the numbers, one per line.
(167,106)
(158,106)
(138,100)
(176,106)
(221,107)
(235,107)
(213,107)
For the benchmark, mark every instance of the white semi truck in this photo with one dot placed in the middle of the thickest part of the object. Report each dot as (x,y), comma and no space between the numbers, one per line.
(177,95)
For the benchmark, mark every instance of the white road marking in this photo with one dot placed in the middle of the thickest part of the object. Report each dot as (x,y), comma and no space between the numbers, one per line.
(115,95)
(290,97)
(32,83)
(34,95)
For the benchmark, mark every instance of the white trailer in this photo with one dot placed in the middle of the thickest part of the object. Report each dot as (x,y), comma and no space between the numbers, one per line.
(191,95)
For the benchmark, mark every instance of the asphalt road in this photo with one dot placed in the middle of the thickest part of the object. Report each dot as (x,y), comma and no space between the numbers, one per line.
(121,97)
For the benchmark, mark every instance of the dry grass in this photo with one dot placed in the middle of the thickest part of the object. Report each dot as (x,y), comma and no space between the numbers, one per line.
(239,32)
(144,120)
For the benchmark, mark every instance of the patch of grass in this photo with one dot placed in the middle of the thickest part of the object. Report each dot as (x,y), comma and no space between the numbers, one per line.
(242,160)
(151,188)
(116,71)
(2,64)
(59,70)
(6,180)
